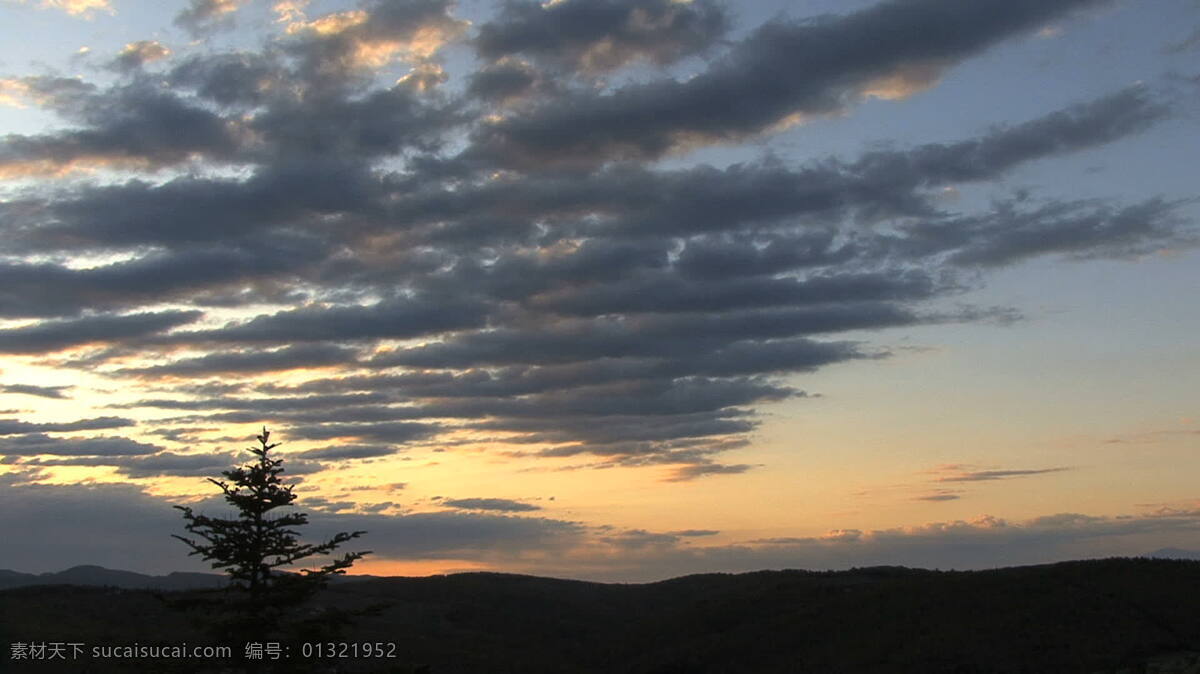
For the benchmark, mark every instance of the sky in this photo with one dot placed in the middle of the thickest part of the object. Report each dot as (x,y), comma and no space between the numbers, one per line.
(616,290)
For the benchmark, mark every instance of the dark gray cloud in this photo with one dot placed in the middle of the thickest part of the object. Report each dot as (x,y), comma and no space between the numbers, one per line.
(739,359)
(312,89)
(333,54)
(152,465)
(654,336)
(343,415)
(165,464)
(694,533)
(263,405)
(455,535)
(247,362)
(647,398)
(56,335)
(137,54)
(1019,228)
(342,452)
(667,292)
(1080,126)
(383,123)
(639,539)
(204,16)
(504,81)
(599,35)
(200,272)
(661,421)
(719,257)
(712,272)
(768,200)
(15,427)
(754,87)
(621,374)
(184,465)
(631,435)
(60,94)
(399,318)
(231,78)
(392,432)
(216,213)
(499,504)
(135,124)
(326,506)
(619,399)
(54,392)
(1190,43)
(118,526)
(33,443)
(1076,229)
(636,312)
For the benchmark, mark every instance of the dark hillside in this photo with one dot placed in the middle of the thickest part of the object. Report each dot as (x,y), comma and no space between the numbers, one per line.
(1127,615)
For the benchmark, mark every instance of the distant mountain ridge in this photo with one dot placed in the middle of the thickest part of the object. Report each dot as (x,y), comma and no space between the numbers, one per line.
(1174,553)
(92,575)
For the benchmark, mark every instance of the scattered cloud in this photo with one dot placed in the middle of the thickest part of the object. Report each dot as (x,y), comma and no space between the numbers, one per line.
(137,54)
(204,16)
(289,11)
(951,482)
(695,470)
(400,318)
(959,473)
(339,46)
(940,495)
(134,125)
(497,504)
(16,427)
(32,443)
(888,50)
(1189,43)
(53,392)
(1149,437)
(160,464)
(249,362)
(594,36)
(397,432)
(56,335)
(85,9)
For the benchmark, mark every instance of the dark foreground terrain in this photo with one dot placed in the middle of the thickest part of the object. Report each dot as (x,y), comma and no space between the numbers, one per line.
(1118,615)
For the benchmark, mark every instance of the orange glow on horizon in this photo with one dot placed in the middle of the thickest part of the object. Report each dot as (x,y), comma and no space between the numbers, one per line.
(415,568)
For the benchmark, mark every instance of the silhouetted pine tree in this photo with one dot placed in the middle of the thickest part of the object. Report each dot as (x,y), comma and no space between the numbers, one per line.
(263,601)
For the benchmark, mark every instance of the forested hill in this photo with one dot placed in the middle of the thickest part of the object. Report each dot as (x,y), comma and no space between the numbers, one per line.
(1116,615)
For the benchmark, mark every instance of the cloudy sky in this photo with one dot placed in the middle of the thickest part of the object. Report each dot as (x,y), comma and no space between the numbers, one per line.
(610,289)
